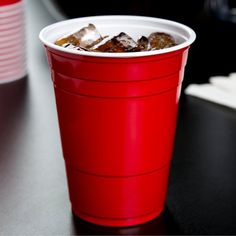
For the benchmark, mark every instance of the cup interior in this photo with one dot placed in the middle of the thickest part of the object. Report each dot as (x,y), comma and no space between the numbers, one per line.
(135,26)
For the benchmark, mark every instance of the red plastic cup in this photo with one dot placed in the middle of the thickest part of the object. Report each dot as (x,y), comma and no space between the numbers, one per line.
(117,116)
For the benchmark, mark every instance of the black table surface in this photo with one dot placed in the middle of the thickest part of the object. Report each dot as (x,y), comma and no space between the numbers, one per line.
(33,190)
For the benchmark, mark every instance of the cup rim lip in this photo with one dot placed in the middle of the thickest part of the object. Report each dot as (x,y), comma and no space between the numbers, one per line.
(183,45)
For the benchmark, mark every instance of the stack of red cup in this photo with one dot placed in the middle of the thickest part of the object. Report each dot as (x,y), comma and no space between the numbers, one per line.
(12,40)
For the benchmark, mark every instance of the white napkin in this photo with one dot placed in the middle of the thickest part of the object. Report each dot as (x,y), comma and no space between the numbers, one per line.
(221,90)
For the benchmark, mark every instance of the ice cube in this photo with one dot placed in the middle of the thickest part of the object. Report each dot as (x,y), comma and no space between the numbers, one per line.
(159,40)
(120,43)
(143,43)
(71,39)
(88,36)
(85,38)
(71,46)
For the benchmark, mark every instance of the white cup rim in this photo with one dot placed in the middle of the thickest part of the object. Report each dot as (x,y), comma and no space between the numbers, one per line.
(139,21)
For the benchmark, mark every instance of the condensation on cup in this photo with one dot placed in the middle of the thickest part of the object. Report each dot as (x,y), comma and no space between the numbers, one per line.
(12,41)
